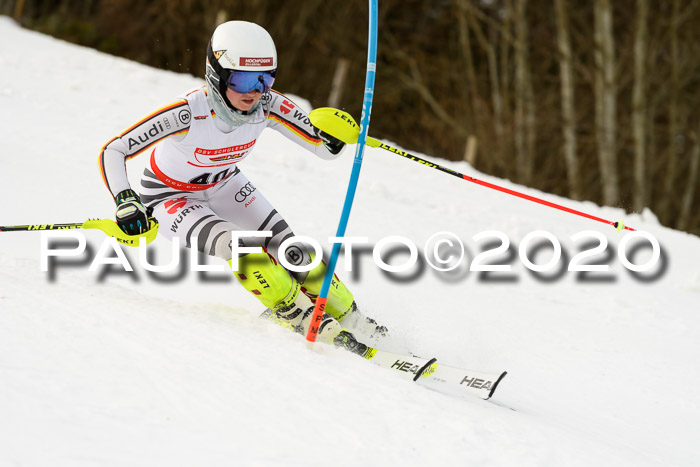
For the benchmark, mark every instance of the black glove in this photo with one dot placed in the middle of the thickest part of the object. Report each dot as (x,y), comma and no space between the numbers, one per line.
(132,216)
(333,144)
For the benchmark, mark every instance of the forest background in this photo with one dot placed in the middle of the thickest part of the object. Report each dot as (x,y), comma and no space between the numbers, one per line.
(594,100)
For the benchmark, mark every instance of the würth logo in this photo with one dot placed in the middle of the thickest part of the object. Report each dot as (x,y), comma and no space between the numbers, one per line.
(286,107)
(255,61)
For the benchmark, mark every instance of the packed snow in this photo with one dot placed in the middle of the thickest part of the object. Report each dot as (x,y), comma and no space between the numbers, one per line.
(114,368)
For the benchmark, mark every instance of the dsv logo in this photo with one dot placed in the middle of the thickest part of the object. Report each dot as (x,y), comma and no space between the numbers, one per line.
(244,192)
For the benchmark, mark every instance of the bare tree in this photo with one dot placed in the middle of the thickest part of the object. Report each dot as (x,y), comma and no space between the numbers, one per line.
(673,114)
(520,60)
(524,97)
(692,184)
(639,107)
(300,30)
(492,59)
(567,99)
(466,48)
(18,10)
(506,46)
(470,72)
(605,100)
(341,73)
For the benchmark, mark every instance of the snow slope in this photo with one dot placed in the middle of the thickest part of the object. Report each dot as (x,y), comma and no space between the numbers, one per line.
(130,369)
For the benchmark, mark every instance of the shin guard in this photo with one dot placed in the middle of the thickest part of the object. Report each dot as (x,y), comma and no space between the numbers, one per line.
(260,275)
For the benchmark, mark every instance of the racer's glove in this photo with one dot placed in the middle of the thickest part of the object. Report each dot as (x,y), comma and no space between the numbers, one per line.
(131,214)
(333,144)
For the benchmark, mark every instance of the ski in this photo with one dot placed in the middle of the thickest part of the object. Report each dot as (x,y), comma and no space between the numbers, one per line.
(405,366)
(459,381)
(438,376)
(427,372)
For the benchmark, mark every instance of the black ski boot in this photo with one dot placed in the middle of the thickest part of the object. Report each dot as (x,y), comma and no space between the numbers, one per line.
(347,341)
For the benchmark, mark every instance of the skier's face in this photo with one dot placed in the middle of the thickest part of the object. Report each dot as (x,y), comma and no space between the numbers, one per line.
(243,102)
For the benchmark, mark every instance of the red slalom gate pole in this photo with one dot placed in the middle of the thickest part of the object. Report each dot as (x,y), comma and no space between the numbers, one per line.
(372,142)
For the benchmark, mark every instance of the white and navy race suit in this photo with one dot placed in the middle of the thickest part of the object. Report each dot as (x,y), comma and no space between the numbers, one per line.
(192,180)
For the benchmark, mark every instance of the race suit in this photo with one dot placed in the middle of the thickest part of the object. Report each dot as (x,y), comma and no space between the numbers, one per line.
(192,180)
(196,189)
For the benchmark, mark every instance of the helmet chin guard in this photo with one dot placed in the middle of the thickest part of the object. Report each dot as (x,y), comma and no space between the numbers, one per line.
(237,46)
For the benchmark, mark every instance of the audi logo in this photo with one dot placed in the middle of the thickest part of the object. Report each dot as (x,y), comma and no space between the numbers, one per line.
(244,192)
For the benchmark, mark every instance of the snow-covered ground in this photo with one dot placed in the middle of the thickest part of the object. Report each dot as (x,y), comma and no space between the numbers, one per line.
(133,369)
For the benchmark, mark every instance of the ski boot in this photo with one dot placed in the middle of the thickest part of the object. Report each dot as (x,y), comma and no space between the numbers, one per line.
(341,304)
(346,340)
(354,319)
(287,306)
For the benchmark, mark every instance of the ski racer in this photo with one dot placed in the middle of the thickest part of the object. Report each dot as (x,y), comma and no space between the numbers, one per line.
(194,186)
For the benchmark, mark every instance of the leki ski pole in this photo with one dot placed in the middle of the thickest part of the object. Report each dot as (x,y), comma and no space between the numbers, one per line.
(107,226)
(374,143)
(341,125)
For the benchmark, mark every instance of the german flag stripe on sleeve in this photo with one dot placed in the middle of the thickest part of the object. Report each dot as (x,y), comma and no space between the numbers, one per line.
(155,114)
(102,163)
(313,139)
(173,119)
(151,143)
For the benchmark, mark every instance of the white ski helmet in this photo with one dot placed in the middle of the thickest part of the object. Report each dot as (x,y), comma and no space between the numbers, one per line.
(246,48)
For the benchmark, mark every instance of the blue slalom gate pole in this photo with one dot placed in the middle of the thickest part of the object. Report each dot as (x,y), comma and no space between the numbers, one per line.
(320,306)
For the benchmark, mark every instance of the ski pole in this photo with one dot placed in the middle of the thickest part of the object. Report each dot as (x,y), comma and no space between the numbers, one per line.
(320,304)
(341,125)
(107,226)
(372,142)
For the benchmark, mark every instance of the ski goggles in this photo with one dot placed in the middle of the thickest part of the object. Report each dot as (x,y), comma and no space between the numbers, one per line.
(244,82)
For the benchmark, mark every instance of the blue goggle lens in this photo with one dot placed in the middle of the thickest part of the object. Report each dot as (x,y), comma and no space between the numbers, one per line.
(244,82)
